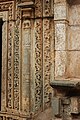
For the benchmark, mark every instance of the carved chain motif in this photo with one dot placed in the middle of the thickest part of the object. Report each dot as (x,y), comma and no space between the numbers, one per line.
(38,64)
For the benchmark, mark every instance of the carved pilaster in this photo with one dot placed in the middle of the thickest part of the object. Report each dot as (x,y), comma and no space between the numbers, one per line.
(23,25)
(26,64)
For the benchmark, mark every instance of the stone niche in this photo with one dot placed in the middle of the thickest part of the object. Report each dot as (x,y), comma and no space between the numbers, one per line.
(67,40)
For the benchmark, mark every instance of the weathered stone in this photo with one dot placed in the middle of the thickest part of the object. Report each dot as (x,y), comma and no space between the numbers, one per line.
(59,1)
(60,11)
(73,64)
(74,15)
(60,36)
(73,38)
(60,64)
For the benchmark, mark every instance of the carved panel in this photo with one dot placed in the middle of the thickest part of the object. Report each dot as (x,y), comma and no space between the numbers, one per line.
(47,8)
(17,62)
(38,64)
(16,69)
(47,38)
(10,65)
(38,8)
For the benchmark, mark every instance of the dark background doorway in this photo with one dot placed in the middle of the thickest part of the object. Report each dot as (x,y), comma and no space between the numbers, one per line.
(1,23)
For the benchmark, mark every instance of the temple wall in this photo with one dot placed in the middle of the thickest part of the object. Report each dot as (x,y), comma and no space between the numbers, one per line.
(40,49)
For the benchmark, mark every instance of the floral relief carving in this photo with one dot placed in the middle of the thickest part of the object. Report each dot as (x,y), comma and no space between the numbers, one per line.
(38,64)
(47,58)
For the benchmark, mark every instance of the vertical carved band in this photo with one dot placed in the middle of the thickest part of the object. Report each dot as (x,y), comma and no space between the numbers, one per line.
(16,64)
(38,64)
(10,65)
(46,58)
(44,9)
(16,69)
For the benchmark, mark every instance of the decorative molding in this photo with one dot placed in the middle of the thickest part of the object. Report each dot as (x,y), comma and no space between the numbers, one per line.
(8,6)
(17,45)
(38,64)
(48,6)
(38,8)
(47,61)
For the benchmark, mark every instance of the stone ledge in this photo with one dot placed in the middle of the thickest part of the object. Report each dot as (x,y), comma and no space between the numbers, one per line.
(26,5)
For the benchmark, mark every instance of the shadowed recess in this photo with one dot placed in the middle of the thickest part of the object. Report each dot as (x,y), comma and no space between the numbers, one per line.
(73,2)
(1,22)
